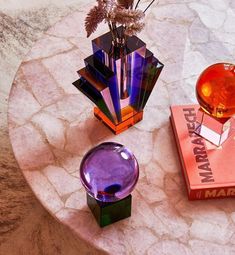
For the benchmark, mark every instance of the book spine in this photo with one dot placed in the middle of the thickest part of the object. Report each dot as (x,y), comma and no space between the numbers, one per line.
(221,192)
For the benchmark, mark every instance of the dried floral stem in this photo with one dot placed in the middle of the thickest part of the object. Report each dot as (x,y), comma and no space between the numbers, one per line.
(115,29)
(132,5)
(111,30)
(116,35)
(148,6)
(124,37)
(117,38)
(137,4)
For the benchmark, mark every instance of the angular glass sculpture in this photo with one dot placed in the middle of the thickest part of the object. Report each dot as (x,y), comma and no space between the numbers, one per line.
(119,80)
(109,173)
(216,95)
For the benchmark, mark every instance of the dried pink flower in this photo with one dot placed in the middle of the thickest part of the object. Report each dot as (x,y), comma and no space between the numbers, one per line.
(95,16)
(125,3)
(116,12)
(125,16)
(134,28)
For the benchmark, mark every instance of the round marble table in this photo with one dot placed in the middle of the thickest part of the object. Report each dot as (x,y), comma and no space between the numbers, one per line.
(51,126)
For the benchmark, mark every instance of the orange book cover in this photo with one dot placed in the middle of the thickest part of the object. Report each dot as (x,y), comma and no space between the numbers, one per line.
(209,171)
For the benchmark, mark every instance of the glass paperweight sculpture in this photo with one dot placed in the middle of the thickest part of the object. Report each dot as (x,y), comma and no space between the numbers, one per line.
(119,80)
(109,173)
(215,92)
(199,130)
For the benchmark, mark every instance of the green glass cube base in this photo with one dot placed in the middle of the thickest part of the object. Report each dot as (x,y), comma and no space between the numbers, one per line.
(108,213)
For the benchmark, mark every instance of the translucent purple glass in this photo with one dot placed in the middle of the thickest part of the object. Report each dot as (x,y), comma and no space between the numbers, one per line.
(117,78)
(109,172)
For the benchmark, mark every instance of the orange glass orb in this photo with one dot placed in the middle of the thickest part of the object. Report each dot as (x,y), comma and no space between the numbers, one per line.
(215,90)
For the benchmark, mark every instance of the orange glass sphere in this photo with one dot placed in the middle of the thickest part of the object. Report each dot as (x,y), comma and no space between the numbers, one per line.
(215,90)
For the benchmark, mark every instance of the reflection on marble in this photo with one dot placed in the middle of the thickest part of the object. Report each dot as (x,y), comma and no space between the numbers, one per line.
(50,138)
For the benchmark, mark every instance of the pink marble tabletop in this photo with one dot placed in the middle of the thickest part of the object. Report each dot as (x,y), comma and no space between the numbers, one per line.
(51,126)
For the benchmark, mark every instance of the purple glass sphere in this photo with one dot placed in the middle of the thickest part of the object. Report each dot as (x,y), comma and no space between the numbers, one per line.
(109,172)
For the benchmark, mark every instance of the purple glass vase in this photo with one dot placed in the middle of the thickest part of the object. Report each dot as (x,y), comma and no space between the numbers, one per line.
(109,172)
(119,79)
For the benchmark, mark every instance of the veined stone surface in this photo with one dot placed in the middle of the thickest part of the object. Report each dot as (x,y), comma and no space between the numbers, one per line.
(186,36)
(25,226)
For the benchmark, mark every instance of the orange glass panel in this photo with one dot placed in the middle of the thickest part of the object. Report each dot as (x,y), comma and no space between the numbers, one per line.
(129,118)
